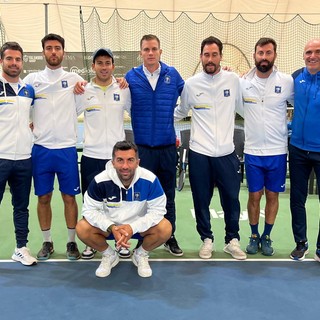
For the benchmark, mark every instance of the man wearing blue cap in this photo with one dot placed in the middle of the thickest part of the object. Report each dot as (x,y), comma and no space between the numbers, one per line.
(104,106)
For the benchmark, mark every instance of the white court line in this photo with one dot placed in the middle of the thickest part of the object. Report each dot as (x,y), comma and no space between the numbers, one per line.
(176,260)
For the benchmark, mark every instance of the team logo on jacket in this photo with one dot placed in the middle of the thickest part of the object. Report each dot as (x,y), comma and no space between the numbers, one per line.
(64,84)
(26,93)
(277,89)
(167,79)
(226,93)
(116,97)
(136,196)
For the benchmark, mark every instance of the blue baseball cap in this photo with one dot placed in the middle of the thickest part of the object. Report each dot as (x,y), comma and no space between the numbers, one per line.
(102,52)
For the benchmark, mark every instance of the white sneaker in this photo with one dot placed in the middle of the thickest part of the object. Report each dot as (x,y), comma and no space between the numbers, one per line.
(233,248)
(24,256)
(142,263)
(107,263)
(206,249)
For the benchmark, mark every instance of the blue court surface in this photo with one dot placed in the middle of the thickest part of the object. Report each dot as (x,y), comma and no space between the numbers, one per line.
(177,290)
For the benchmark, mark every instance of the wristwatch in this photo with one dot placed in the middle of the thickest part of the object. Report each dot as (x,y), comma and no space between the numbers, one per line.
(110,228)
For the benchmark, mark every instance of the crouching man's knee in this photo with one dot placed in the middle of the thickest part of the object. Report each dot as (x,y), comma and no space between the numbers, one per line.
(83,229)
(164,230)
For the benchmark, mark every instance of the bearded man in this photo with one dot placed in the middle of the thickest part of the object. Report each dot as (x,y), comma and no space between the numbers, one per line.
(265,93)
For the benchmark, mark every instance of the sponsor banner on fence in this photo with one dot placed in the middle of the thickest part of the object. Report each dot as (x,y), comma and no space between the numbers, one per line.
(81,63)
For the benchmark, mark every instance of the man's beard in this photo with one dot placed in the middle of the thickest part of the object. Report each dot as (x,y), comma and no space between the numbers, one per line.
(266,67)
(54,62)
(206,69)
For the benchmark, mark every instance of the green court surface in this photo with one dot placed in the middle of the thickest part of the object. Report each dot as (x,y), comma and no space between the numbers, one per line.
(186,233)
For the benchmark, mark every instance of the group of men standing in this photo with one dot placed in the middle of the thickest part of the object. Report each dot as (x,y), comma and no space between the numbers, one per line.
(129,189)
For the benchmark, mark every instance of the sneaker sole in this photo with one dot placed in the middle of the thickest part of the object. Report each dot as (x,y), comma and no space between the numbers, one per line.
(173,253)
(235,257)
(251,252)
(71,258)
(124,256)
(205,256)
(300,259)
(103,275)
(87,257)
(17,259)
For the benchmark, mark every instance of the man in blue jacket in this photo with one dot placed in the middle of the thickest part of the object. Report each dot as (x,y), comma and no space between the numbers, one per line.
(155,88)
(304,148)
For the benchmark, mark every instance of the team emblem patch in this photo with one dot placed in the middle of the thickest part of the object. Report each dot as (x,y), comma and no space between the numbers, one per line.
(277,89)
(64,84)
(116,97)
(167,79)
(226,93)
(136,196)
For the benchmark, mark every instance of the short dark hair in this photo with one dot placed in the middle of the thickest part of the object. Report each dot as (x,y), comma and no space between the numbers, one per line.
(263,41)
(52,36)
(148,37)
(211,40)
(10,46)
(123,146)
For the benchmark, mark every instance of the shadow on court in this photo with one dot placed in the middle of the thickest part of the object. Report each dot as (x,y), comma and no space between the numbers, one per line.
(177,290)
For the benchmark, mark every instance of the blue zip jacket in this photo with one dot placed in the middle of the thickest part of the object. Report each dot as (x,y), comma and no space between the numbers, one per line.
(152,110)
(306,116)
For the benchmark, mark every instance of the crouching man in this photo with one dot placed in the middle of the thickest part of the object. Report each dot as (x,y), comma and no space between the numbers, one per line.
(122,201)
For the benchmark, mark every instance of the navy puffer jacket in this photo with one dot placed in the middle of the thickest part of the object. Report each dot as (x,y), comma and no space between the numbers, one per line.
(152,110)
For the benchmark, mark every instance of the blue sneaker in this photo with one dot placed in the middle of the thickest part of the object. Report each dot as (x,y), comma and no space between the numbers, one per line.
(300,251)
(253,246)
(266,248)
(317,255)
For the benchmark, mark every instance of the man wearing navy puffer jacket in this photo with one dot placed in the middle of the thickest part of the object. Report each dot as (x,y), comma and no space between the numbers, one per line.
(155,88)
(304,148)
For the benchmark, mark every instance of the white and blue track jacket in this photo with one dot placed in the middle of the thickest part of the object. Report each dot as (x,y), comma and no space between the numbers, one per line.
(107,201)
(103,118)
(265,115)
(213,101)
(55,108)
(15,132)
